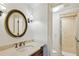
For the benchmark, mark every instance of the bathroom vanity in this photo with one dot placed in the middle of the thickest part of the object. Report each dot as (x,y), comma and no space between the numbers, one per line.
(31,48)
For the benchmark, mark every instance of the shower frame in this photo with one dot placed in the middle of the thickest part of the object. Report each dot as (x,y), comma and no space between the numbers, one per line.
(76,37)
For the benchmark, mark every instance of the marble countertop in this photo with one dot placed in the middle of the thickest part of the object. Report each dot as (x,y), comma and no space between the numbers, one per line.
(26,50)
(7,42)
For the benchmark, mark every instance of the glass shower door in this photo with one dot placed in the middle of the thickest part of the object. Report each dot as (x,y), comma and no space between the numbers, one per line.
(68,33)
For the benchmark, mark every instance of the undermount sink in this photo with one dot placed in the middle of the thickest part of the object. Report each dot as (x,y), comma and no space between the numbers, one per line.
(25,48)
(28,49)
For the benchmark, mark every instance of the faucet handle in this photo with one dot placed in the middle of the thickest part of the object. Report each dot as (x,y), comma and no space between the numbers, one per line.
(16,45)
(20,44)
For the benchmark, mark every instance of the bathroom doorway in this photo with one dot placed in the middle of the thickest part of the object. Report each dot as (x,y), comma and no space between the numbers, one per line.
(69,35)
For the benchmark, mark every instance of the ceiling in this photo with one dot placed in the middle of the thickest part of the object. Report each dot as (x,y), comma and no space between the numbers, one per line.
(56,4)
(27,4)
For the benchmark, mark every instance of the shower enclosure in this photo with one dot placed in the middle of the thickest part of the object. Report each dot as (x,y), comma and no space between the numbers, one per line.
(69,34)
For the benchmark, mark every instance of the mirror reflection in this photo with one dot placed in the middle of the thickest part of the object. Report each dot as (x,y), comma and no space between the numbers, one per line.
(16,23)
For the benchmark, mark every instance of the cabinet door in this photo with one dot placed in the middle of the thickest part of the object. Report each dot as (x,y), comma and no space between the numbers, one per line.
(38,53)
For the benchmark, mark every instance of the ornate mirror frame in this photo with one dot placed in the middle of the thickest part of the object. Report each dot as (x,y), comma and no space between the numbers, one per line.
(7,22)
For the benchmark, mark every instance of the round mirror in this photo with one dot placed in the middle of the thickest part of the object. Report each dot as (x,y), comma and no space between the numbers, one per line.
(16,23)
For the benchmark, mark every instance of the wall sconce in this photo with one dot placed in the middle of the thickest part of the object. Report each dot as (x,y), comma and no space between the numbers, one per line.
(1,13)
(29,20)
(2,8)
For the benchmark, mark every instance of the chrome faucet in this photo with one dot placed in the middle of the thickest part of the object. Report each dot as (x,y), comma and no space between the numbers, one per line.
(22,43)
(17,45)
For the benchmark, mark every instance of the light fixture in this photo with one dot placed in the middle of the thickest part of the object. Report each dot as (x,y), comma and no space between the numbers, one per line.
(2,7)
(1,13)
(2,4)
(30,19)
(57,8)
(3,1)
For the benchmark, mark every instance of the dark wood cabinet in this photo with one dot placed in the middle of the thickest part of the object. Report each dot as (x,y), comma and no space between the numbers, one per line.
(39,52)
